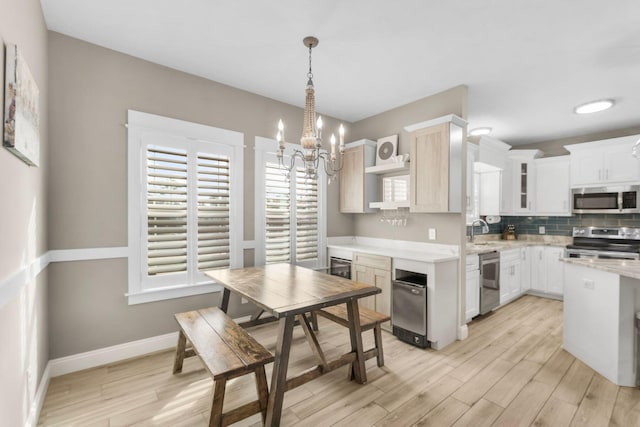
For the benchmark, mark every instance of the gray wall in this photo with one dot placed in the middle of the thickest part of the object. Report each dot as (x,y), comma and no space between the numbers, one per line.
(448,226)
(23,230)
(556,147)
(91,90)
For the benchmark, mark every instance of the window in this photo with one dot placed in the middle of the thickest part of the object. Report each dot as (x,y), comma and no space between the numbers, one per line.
(185,206)
(290,211)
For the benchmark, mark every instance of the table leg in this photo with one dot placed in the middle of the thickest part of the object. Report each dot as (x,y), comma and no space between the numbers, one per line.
(279,375)
(355,332)
(224,304)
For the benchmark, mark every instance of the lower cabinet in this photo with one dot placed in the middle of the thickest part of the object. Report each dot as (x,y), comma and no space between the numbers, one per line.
(510,275)
(525,269)
(374,270)
(472,295)
(547,271)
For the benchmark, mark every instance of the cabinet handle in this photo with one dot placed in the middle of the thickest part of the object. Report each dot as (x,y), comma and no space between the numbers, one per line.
(529,205)
(564,205)
(524,255)
(599,174)
(540,255)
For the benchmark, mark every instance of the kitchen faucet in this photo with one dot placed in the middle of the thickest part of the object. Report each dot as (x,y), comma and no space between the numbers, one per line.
(485,227)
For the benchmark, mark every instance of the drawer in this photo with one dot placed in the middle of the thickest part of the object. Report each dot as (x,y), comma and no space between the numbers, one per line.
(369,260)
(510,255)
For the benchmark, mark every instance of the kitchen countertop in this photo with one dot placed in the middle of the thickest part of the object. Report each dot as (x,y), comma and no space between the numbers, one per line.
(415,251)
(490,245)
(626,268)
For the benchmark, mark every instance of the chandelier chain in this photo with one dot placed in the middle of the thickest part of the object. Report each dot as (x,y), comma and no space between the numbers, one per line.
(310,74)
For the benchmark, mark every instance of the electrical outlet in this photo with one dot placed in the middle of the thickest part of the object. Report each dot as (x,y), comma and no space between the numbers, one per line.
(432,234)
(588,284)
(243,300)
(541,230)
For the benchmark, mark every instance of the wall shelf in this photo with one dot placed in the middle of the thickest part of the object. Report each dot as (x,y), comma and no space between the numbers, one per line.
(388,168)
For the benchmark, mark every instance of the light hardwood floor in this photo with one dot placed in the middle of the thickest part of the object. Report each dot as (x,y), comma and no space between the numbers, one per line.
(511,371)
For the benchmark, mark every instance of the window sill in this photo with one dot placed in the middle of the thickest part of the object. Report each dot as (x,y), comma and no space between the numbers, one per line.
(173,292)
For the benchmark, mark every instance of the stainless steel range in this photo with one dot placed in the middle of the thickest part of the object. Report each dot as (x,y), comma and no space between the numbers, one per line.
(605,243)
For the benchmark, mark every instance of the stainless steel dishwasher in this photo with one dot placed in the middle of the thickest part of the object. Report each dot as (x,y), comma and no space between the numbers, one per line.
(409,307)
(489,281)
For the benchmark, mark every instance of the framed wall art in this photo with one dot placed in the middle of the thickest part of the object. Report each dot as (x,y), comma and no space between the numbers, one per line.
(21,109)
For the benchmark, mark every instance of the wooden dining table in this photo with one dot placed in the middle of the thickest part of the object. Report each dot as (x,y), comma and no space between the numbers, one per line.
(290,294)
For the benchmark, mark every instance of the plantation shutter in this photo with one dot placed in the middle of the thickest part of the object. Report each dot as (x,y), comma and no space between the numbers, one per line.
(306,216)
(213,211)
(277,215)
(166,210)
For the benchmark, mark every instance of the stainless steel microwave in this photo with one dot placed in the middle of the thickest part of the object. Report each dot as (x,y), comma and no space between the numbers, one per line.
(614,199)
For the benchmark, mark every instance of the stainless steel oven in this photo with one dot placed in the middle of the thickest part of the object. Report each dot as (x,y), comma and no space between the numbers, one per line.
(489,281)
(605,243)
(340,267)
(409,307)
(615,199)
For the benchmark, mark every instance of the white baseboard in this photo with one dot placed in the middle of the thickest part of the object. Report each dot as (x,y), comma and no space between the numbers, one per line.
(103,356)
(38,400)
(463,332)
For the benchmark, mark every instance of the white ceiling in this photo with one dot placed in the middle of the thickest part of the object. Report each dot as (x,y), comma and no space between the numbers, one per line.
(527,63)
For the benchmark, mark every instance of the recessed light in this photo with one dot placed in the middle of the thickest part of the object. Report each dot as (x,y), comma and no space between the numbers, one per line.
(480,131)
(594,106)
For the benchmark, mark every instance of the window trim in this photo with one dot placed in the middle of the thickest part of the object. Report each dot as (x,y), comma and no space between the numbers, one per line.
(263,148)
(140,123)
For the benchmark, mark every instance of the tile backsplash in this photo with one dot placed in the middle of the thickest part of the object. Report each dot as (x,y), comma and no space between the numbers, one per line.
(560,225)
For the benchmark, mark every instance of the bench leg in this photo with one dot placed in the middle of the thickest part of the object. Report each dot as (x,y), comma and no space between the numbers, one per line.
(377,336)
(215,420)
(180,348)
(263,391)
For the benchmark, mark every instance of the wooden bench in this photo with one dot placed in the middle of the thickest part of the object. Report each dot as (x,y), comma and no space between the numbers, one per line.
(227,352)
(369,319)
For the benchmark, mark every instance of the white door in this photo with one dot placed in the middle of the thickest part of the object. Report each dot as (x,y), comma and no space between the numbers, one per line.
(620,165)
(555,270)
(586,168)
(538,270)
(473,294)
(552,186)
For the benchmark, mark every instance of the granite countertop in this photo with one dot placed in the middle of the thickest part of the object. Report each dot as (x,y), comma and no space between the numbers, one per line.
(415,251)
(627,268)
(490,245)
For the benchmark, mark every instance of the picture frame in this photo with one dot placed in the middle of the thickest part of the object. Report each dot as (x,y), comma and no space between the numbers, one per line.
(21,133)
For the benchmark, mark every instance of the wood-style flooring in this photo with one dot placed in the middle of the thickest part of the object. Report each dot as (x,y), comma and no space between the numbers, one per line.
(511,371)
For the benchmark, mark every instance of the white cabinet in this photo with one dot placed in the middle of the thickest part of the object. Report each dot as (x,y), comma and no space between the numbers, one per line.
(510,275)
(525,269)
(472,296)
(553,195)
(555,270)
(472,201)
(547,271)
(604,162)
(489,191)
(518,182)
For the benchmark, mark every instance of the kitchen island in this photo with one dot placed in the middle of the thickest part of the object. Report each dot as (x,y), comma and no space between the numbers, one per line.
(601,298)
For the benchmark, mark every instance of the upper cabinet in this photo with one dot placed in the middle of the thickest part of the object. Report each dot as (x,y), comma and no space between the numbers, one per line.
(553,195)
(436,165)
(604,162)
(519,182)
(358,189)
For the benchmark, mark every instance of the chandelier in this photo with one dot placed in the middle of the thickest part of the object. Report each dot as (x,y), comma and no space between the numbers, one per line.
(311,141)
